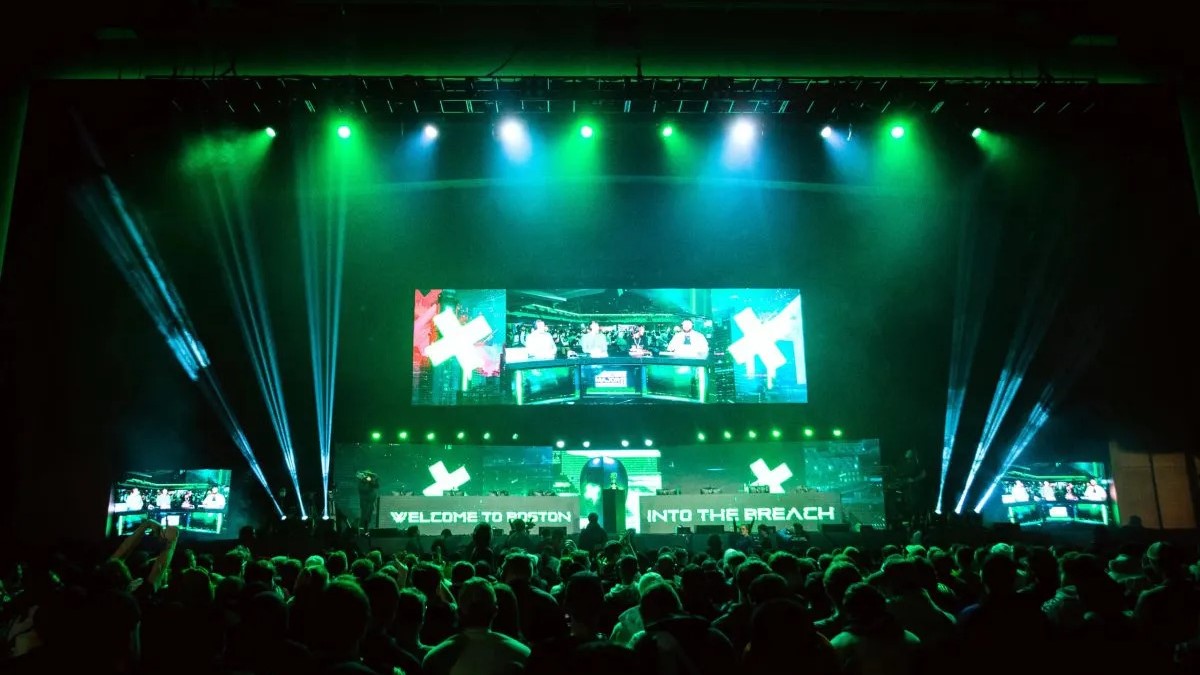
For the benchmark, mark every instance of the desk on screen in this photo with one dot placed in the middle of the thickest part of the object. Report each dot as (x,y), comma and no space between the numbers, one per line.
(580,379)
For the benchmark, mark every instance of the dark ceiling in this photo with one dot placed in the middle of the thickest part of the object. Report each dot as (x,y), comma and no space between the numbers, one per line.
(1108,41)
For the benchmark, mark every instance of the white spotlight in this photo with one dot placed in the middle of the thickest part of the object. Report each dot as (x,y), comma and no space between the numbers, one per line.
(430,132)
(827,132)
(744,131)
(511,131)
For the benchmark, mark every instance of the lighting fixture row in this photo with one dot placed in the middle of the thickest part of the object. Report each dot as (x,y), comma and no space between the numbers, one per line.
(512,130)
(806,432)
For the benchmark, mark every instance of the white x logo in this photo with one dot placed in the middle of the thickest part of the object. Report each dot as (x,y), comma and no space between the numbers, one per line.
(758,339)
(774,478)
(458,340)
(444,480)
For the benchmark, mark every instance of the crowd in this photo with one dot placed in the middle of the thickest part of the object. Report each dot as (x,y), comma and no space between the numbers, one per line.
(542,606)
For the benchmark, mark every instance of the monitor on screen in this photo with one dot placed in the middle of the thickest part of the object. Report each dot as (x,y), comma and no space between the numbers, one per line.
(597,346)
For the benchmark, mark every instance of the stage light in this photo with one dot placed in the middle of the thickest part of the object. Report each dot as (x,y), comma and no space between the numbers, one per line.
(283,517)
(775,433)
(897,131)
(516,436)
(430,132)
(303,517)
(430,436)
(744,131)
(403,435)
(324,517)
(587,444)
(976,132)
(624,443)
(560,444)
(809,432)
(511,131)
(701,437)
(461,435)
(376,436)
(343,131)
(752,434)
(487,435)
(837,433)
(270,131)
(728,435)
(827,132)
(649,443)
(668,131)
(586,131)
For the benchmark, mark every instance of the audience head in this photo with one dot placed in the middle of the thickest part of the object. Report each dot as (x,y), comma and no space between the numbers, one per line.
(461,571)
(865,608)
(659,602)
(627,569)
(427,578)
(266,617)
(341,620)
(583,600)
(768,586)
(517,567)
(362,568)
(410,611)
(1165,561)
(665,566)
(337,564)
(999,574)
(260,572)
(476,604)
(384,596)
(839,577)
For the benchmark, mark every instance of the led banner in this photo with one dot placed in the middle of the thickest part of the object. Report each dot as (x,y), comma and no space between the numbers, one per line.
(664,514)
(608,346)
(460,514)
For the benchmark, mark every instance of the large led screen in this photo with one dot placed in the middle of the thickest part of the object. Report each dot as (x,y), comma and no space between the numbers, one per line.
(598,346)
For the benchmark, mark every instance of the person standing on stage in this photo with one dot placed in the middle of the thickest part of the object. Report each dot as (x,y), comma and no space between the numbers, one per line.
(593,343)
(368,496)
(688,342)
(593,536)
(540,344)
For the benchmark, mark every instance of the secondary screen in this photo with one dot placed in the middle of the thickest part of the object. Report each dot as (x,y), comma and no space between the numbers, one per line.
(608,346)
(196,500)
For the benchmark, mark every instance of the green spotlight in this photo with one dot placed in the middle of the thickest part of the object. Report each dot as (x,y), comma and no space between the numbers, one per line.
(809,433)
(430,436)
(728,435)
(587,444)
(976,132)
(270,131)
(403,435)
(837,433)
(586,131)
(701,437)
(461,435)
(752,434)
(487,435)
(560,444)
(897,131)
(376,436)
(624,443)
(343,131)
(516,436)
(775,433)
(649,443)
(668,131)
